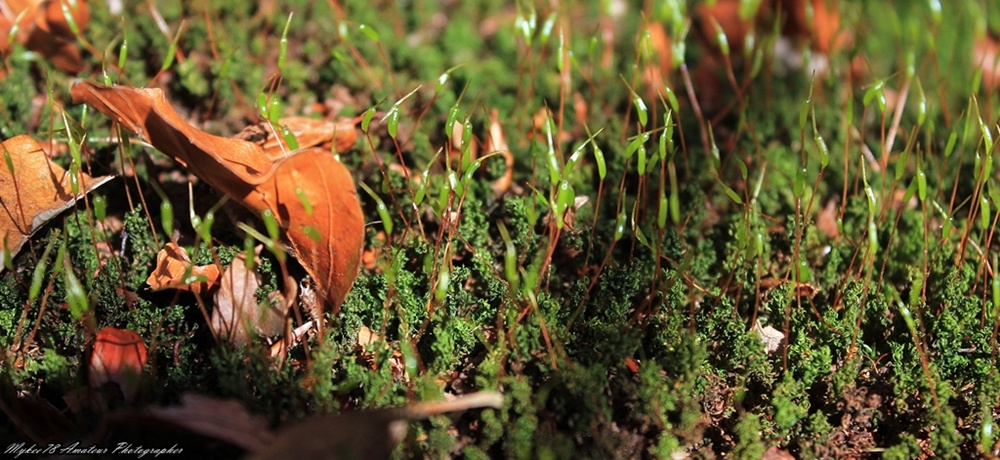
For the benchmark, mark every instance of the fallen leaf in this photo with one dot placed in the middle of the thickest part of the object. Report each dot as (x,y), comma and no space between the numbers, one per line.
(821,28)
(662,46)
(632,364)
(34,418)
(198,424)
(496,141)
(457,143)
(36,192)
(370,256)
(365,338)
(43,28)
(984,56)
(236,309)
(770,336)
(117,356)
(280,348)
(774,453)
(364,434)
(725,13)
(309,192)
(826,221)
(222,419)
(172,272)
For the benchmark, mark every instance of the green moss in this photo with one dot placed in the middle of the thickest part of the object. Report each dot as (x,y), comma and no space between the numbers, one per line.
(627,345)
(750,445)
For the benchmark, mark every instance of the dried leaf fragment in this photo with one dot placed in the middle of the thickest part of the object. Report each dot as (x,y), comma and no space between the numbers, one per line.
(496,141)
(308,132)
(364,434)
(236,309)
(118,356)
(33,417)
(826,221)
(984,56)
(222,419)
(366,337)
(770,336)
(36,192)
(42,27)
(171,272)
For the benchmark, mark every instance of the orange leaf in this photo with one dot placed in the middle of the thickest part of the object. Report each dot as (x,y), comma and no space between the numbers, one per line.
(118,356)
(327,241)
(38,191)
(172,263)
(44,29)
(821,28)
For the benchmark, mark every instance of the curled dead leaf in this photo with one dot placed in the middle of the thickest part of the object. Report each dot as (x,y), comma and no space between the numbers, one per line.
(33,191)
(171,272)
(117,356)
(309,192)
(43,28)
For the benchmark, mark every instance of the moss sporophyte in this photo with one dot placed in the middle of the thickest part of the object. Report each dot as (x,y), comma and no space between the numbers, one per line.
(689,229)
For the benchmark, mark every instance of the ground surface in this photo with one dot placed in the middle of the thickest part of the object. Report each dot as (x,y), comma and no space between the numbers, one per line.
(658,232)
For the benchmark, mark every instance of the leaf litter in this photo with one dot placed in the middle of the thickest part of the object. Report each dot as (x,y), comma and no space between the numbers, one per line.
(33,191)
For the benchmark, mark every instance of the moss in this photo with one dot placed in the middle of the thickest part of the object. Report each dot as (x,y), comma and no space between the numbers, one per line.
(629,344)
(18,89)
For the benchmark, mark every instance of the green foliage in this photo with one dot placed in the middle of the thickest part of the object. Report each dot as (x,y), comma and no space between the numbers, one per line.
(622,330)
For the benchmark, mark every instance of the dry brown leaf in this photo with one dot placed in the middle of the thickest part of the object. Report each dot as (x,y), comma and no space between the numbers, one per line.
(310,193)
(117,356)
(663,48)
(364,434)
(770,336)
(456,143)
(236,309)
(984,55)
(774,453)
(826,221)
(222,419)
(38,191)
(725,13)
(366,337)
(33,417)
(43,28)
(496,141)
(824,26)
(198,416)
(171,272)
(370,256)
